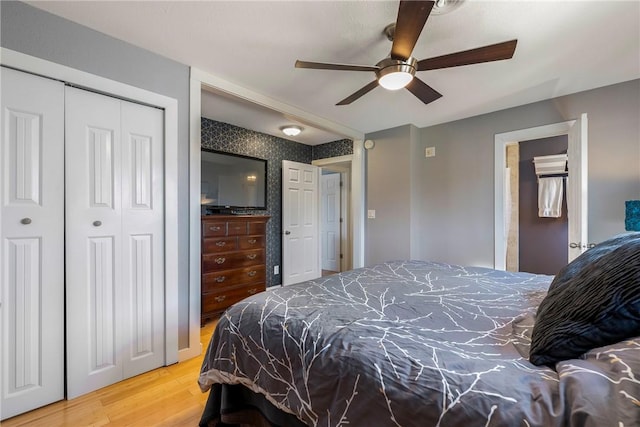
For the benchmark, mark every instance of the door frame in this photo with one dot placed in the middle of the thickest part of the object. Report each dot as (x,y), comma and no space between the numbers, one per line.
(576,189)
(200,79)
(85,80)
(343,166)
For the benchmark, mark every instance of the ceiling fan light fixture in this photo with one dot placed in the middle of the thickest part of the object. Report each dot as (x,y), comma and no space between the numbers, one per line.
(395,80)
(395,74)
(291,130)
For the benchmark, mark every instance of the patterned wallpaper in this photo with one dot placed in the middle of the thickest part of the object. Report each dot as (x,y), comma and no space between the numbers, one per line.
(342,147)
(232,139)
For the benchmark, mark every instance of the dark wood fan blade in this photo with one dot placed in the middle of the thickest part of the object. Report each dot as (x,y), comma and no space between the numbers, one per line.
(339,67)
(494,52)
(368,88)
(412,15)
(423,91)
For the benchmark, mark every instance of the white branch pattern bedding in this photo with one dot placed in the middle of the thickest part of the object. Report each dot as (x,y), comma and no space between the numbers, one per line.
(413,343)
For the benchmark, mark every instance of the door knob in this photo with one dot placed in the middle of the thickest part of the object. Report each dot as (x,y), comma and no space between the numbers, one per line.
(25,221)
(287,232)
(97,223)
(574,245)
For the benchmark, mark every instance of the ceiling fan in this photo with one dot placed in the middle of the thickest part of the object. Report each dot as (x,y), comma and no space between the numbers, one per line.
(398,70)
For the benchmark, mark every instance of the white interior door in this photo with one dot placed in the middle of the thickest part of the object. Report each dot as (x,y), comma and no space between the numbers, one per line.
(577,189)
(330,221)
(300,222)
(143,238)
(114,241)
(32,245)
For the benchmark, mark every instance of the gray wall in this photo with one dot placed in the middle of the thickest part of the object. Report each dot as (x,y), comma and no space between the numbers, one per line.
(455,207)
(389,184)
(542,242)
(37,33)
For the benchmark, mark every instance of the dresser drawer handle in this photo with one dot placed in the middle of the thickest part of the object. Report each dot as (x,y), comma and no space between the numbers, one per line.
(220,260)
(220,298)
(252,256)
(221,243)
(252,273)
(215,228)
(252,291)
(220,279)
(252,241)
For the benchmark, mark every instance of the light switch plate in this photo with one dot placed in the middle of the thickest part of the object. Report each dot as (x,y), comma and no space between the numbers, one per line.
(371,213)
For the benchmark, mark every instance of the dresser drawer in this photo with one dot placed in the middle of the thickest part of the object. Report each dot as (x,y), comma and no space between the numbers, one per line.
(222,279)
(219,244)
(228,260)
(236,228)
(250,242)
(214,228)
(257,227)
(217,301)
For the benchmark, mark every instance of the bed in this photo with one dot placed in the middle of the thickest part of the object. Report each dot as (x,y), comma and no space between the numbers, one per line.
(408,343)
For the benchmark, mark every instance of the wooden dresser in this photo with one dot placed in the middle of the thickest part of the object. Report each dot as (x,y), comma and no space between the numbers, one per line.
(233,261)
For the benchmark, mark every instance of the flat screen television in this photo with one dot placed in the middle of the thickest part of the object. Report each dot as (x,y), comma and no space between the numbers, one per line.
(231,183)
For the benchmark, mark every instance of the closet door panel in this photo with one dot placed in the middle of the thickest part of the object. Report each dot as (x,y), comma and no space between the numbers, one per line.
(93,241)
(31,247)
(143,229)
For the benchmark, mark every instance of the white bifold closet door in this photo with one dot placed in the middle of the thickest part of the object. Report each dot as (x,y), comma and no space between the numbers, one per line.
(32,242)
(114,240)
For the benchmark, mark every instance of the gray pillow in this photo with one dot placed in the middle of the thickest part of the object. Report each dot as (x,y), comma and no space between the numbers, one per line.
(586,258)
(591,306)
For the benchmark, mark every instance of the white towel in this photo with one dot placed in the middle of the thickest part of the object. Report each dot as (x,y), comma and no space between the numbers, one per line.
(550,197)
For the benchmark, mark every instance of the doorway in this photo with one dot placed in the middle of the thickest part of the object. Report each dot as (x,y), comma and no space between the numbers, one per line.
(342,230)
(577,189)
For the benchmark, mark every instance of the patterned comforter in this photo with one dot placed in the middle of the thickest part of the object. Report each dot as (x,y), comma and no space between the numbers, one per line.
(413,343)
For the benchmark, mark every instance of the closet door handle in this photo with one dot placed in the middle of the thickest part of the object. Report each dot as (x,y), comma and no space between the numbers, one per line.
(25,221)
(97,223)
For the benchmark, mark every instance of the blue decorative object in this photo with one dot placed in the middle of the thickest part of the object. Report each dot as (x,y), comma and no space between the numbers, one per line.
(632,215)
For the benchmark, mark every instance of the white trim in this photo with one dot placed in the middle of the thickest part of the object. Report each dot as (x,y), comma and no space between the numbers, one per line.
(195,130)
(358,192)
(501,141)
(79,78)
(346,235)
(333,160)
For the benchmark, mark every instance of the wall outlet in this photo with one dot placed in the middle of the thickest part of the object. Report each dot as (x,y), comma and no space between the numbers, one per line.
(430,152)
(276,270)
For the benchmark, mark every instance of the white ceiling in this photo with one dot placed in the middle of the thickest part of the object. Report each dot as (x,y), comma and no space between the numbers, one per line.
(563,47)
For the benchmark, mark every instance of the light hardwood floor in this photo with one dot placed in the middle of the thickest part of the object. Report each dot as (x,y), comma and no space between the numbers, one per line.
(167,396)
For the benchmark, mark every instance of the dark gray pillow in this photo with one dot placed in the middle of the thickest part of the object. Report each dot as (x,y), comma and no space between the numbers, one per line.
(571,269)
(597,304)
